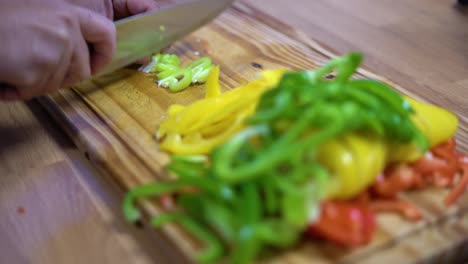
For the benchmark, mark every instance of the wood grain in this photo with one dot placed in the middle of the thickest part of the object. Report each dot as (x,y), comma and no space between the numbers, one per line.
(19,134)
(113,120)
(53,206)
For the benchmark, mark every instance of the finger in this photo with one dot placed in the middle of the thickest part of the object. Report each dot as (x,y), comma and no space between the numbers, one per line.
(100,33)
(58,74)
(125,8)
(140,6)
(120,9)
(80,68)
(165,2)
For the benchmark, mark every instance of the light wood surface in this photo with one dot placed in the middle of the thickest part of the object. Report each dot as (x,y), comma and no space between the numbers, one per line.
(53,208)
(418,44)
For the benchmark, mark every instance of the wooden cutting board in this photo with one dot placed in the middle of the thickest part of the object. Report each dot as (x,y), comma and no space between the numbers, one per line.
(113,121)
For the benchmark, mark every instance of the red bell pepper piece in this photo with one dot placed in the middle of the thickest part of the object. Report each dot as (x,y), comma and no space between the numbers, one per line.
(344,223)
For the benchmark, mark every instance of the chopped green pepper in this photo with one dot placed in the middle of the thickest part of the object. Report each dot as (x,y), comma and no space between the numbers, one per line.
(172,75)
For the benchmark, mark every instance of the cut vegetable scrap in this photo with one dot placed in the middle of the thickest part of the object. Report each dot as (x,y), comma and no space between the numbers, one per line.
(170,74)
(297,152)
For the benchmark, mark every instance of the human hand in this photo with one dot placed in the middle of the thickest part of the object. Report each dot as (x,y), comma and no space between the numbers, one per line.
(45,47)
(117,9)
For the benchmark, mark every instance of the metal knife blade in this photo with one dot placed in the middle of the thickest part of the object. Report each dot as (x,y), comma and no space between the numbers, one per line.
(141,35)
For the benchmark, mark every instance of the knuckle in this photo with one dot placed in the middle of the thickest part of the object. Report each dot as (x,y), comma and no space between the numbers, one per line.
(55,46)
(62,34)
(45,62)
(64,31)
(66,18)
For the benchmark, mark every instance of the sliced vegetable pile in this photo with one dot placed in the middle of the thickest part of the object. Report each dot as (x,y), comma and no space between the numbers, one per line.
(295,153)
(171,75)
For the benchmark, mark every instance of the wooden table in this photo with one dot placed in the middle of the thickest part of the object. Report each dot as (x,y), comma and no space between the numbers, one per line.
(55,208)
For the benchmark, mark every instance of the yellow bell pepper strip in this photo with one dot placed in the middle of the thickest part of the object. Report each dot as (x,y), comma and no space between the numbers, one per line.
(213,88)
(436,123)
(276,154)
(199,127)
(172,75)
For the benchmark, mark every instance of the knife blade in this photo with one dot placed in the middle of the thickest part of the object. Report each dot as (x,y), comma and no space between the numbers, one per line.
(141,35)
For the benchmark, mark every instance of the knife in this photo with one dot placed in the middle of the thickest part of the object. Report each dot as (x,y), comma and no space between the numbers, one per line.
(141,35)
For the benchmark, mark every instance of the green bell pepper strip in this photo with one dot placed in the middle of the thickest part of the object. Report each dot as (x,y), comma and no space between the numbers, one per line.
(270,196)
(250,212)
(220,216)
(194,159)
(276,233)
(131,213)
(385,93)
(213,247)
(200,69)
(175,80)
(280,104)
(188,175)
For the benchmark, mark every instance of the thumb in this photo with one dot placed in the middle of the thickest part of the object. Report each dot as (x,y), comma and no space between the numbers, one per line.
(99,33)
